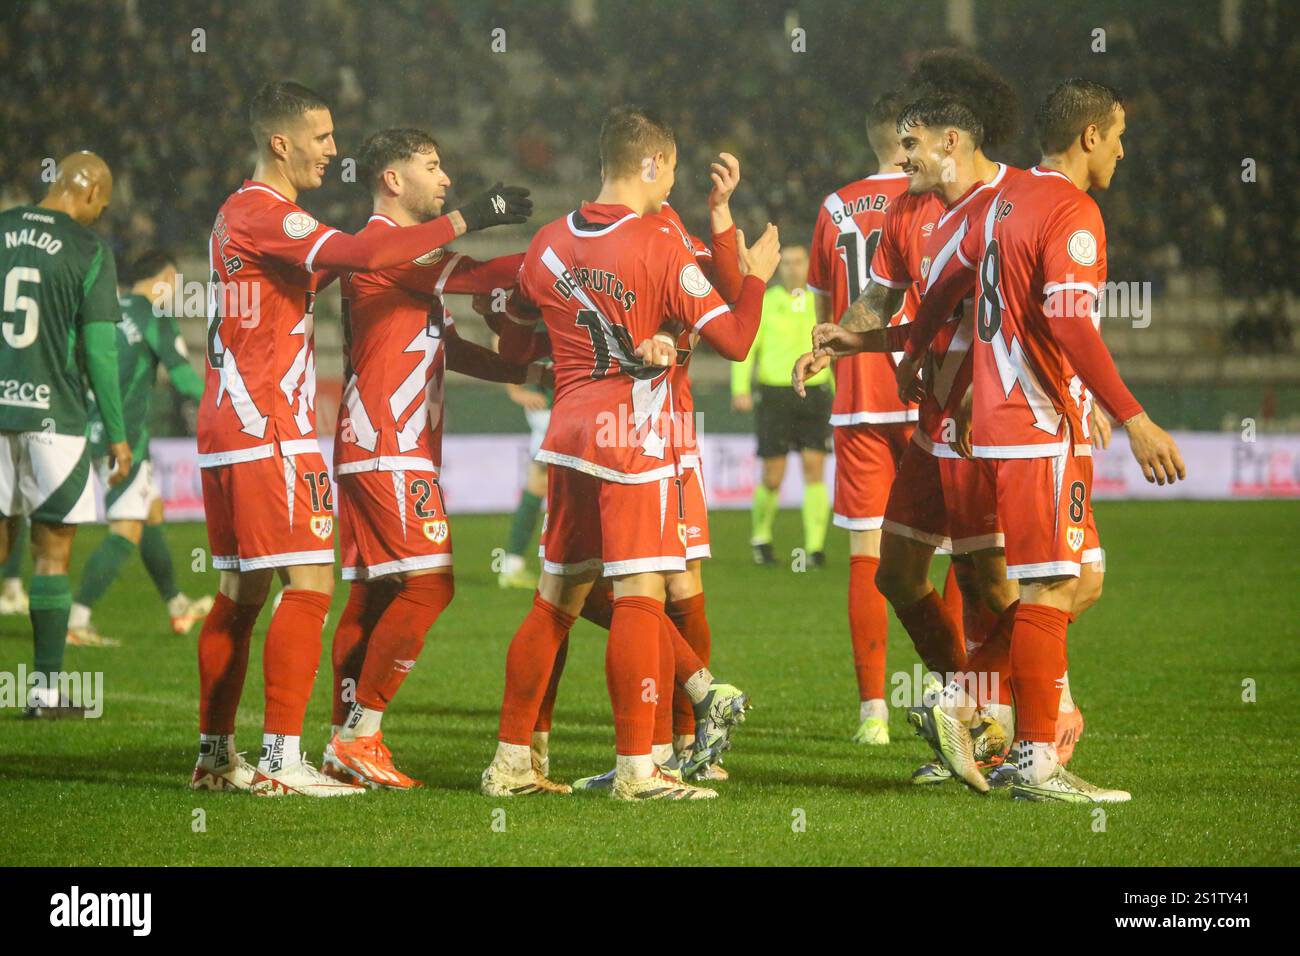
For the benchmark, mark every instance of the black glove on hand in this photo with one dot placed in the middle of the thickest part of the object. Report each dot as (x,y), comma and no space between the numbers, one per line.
(499,206)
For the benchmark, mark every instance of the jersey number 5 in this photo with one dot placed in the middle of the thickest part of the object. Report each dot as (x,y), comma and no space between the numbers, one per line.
(15,303)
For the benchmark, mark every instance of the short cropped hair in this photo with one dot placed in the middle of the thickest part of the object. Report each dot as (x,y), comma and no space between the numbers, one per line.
(1071,108)
(627,136)
(388,146)
(277,102)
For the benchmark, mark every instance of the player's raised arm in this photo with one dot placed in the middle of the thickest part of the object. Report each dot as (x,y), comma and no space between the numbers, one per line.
(725,273)
(730,330)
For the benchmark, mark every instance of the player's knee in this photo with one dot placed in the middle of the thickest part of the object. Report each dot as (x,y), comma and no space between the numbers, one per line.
(896,584)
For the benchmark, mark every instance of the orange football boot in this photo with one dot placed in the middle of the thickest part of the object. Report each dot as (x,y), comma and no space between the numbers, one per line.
(370,762)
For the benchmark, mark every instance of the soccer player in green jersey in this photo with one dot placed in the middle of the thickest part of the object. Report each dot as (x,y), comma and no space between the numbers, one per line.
(784,421)
(147,337)
(59,306)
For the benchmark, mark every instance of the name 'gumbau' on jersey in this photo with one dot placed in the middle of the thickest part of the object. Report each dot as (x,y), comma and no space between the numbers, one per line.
(260,388)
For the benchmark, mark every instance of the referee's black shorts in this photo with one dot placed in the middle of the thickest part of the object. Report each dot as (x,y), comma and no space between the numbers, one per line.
(785,422)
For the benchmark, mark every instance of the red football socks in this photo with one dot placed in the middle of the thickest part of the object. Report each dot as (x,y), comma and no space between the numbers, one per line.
(291,657)
(223,661)
(398,636)
(868,626)
(529,663)
(934,634)
(366,602)
(1038,665)
(632,670)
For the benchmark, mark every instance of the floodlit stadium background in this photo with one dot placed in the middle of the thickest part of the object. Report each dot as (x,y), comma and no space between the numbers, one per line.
(1202,219)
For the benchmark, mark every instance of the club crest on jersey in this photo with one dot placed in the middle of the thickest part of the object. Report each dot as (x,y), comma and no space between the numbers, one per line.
(429,258)
(1074,537)
(1082,247)
(925,267)
(298,224)
(436,531)
(694,282)
(322,526)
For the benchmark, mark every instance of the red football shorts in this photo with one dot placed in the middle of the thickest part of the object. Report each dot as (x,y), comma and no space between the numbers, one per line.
(392,521)
(866,460)
(1045,507)
(971,500)
(697,513)
(274,512)
(616,528)
(916,507)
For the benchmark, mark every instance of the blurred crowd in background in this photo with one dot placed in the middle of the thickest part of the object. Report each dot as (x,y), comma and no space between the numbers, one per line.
(166,106)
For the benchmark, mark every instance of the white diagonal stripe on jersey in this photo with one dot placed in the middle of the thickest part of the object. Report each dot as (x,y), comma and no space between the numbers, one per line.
(229,380)
(413,388)
(560,271)
(363,429)
(848,224)
(300,380)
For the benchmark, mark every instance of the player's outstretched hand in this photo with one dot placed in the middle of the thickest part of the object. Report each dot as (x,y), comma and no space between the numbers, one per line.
(742,402)
(835,340)
(726,177)
(659,349)
(498,206)
(120,453)
(1099,427)
(1154,450)
(805,367)
(907,375)
(762,258)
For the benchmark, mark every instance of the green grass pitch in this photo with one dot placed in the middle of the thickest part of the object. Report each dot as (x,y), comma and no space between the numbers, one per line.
(1199,598)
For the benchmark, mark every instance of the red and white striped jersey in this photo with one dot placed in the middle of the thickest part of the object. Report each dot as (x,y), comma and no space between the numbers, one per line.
(845,237)
(605,280)
(395,358)
(947,369)
(1039,244)
(260,388)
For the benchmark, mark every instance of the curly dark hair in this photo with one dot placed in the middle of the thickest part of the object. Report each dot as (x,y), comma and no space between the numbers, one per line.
(968,84)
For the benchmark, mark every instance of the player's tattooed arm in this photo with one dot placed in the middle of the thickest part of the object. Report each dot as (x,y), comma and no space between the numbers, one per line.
(873,309)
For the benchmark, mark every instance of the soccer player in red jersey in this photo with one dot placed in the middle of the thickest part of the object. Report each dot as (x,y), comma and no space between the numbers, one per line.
(606,280)
(872,427)
(266,491)
(395,536)
(691,733)
(1038,251)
